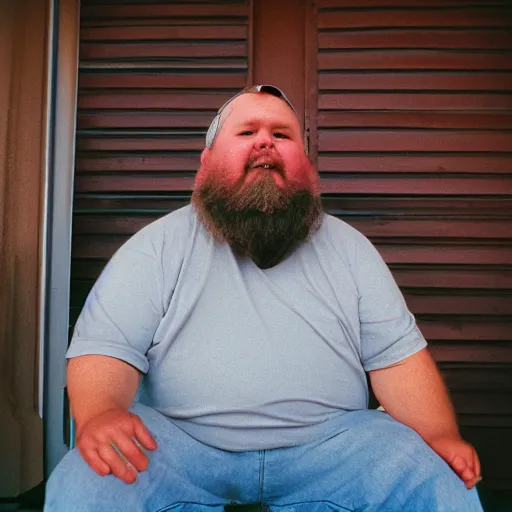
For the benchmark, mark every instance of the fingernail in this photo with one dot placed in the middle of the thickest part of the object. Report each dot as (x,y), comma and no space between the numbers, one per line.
(479,479)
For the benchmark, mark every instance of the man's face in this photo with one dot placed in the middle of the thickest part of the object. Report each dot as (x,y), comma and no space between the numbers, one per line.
(256,183)
(260,136)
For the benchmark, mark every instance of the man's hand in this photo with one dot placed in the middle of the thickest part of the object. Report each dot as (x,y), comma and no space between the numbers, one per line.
(461,457)
(108,443)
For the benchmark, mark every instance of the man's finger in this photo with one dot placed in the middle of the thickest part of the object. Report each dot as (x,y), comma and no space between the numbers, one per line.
(464,471)
(117,462)
(130,453)
(473,482)
(459,464)
(95,462)
(476,464)
(468,475)
(142,434)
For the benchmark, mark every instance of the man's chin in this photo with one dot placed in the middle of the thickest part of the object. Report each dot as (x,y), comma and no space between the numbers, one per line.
(257,174)
(261,230)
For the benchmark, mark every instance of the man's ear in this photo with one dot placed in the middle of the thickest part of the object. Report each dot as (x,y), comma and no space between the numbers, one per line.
(204,155)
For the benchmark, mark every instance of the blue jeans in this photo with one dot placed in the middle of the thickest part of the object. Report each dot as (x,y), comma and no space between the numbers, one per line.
(371,463)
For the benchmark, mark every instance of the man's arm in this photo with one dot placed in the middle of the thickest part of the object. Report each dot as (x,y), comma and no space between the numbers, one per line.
(413,392)
(99,383)
(109,437)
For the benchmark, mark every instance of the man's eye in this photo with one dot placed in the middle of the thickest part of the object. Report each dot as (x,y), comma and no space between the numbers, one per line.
(247,132)
(280,135)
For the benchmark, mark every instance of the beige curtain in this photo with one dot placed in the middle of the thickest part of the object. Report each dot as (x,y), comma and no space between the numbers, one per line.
(23,43)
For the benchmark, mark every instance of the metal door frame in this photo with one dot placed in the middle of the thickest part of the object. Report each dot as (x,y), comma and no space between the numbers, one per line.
(61,106)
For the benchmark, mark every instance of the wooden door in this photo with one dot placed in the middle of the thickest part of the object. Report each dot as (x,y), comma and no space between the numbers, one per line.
(410,114)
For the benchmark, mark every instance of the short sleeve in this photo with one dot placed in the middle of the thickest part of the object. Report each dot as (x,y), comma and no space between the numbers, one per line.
(388,329)
(124,307)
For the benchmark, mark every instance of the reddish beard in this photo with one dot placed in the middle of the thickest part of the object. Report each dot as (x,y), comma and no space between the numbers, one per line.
(259,219)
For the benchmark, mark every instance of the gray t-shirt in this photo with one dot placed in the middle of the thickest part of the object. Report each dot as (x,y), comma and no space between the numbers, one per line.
(239,357)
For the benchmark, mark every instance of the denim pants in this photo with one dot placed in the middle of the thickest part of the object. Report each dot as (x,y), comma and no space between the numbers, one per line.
(370,462)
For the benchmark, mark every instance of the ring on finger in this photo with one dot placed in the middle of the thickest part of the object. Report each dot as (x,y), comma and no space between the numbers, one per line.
(121,455)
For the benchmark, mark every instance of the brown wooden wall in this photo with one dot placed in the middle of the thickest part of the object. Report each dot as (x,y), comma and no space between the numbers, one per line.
(414,119)
(151,79)
(408,110)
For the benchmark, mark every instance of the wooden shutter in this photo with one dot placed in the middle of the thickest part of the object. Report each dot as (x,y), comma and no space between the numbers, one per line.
(410,107)
(151,78)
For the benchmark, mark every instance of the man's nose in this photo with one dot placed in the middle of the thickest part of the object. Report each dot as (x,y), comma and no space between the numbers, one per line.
(264,140)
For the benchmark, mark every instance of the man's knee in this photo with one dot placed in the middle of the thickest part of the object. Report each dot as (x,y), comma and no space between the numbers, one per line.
(70,482)
(417,473)
(74,485)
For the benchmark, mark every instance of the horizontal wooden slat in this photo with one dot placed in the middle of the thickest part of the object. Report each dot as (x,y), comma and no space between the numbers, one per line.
(464,278)
(483,403)
(144,143)
(349,184)
(111,224)
(439,163)
(415,184)
(386,4)
(163,21)
(168,33)
(414,60)
(407,101)
(99,247)
(434,38)
(383,228)
(457,17)
(144,2)
(422,119)
(140,119)
(435,207)
(476,377)
(86,269)
(164,65)
(149,182)
(89,51)
(175,64)
(487,421)
(439,228)
(426,207)
(457,304)
(81,289)
(344,206)
(132,203)
(465,329)
(418,304)
(417,81)
(151,2)
(145,163)
(476,352)
(445,254)
(413,140)
(412,276)
(175,11)
(159,100)
(161,80)
(415,276)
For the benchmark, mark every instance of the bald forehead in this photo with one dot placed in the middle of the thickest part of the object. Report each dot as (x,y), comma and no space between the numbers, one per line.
(259,106)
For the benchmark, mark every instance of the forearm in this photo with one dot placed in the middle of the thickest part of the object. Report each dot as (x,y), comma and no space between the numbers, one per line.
(99,383)
(414,393)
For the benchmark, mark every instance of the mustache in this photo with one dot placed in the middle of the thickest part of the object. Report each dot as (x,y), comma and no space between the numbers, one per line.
(268,158)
